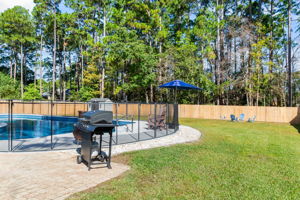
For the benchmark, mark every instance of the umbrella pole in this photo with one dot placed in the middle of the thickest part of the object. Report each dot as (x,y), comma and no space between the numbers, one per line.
(175,95)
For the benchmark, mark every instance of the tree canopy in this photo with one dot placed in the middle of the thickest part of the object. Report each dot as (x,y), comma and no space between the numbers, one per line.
(238,52)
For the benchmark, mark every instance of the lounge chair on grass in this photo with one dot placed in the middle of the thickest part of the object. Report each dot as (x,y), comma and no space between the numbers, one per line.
(222,117)
(237,119)
(252,119)
(233,118)
(241,118)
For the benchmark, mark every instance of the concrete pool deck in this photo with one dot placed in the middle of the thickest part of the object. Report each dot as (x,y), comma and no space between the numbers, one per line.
(55,174)
(125,134)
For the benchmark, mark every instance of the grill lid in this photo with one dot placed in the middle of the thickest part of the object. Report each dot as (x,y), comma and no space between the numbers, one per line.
(98,117)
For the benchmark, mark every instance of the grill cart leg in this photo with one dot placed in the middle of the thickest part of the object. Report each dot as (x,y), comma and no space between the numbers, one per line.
(89,166)
(100,143)
(109,151)
(89,158)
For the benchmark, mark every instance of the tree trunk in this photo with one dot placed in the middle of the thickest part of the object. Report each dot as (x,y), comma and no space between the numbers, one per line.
(218,63)
(160,54)
(222,54)
(103,63)
(77,75)
(22,81)
(289,55)
(10,69)
(271,45)
(70,66)
(64,71)
(54,56)
(35,74)
(102,82)
(41,65)
(15,71)
(235,52)
(146,96)
(151,93)
(81,63)
(257,92)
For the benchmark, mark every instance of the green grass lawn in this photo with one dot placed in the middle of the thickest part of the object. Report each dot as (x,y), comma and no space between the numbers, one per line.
(231,161)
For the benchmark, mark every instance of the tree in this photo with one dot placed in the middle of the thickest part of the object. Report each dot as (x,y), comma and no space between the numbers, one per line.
(31,93)
(9,89)
(240,52)
(289,55)
(50,9)
(17,32)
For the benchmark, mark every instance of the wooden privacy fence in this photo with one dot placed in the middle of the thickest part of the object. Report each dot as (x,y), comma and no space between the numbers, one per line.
(72,109)
(266,114)
(44,108)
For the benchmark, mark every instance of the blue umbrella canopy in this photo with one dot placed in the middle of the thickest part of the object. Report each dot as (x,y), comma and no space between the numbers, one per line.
(178,84)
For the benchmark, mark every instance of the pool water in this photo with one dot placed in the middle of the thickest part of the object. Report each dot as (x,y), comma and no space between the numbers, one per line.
(32,128)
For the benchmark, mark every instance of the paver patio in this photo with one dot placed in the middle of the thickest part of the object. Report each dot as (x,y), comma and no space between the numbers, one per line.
(49,175)
(55,174)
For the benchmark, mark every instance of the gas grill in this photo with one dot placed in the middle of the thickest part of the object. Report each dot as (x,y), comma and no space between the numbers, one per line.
(94,123)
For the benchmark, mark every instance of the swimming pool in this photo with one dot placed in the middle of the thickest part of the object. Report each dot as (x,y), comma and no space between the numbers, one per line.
(34,126)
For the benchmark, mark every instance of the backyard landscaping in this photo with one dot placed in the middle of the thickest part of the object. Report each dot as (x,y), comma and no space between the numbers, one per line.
(231,161)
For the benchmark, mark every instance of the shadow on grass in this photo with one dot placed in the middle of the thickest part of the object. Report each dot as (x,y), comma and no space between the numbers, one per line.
(296,121)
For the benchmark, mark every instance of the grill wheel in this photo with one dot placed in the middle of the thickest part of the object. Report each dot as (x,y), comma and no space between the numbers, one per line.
(79,159)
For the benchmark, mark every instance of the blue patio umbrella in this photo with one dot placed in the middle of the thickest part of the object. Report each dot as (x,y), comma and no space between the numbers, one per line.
(179,85)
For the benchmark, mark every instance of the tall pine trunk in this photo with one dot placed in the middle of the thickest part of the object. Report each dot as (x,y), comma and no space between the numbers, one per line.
(81,64)
(103,60)
(235,36)
(41,65)
(15,71)
(22,79)
(35,74)
(218,46)
(54,56)
(289,63)
(10,69)
(64,71)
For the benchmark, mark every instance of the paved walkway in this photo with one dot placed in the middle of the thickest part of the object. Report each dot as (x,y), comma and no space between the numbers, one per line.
(55,174)
(48,175)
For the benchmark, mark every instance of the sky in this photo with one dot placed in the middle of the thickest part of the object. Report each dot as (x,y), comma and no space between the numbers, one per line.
(5,4)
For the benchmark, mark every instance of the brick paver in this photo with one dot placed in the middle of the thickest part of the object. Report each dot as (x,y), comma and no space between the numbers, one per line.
(49,175)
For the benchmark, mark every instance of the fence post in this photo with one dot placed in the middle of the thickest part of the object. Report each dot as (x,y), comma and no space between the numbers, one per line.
(65,105)
(74,109)
(51,125)
(126,110)
(154,120)
(167,117)
(176,116)
(116,123)
(139,117)
(10,126)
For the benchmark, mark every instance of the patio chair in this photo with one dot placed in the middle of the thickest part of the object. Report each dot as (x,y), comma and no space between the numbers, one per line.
(252,119)
(222,117)
(241,118)
(233,118)
(158,121)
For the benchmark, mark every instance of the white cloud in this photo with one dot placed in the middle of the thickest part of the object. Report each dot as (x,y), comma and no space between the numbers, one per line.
(5,4)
